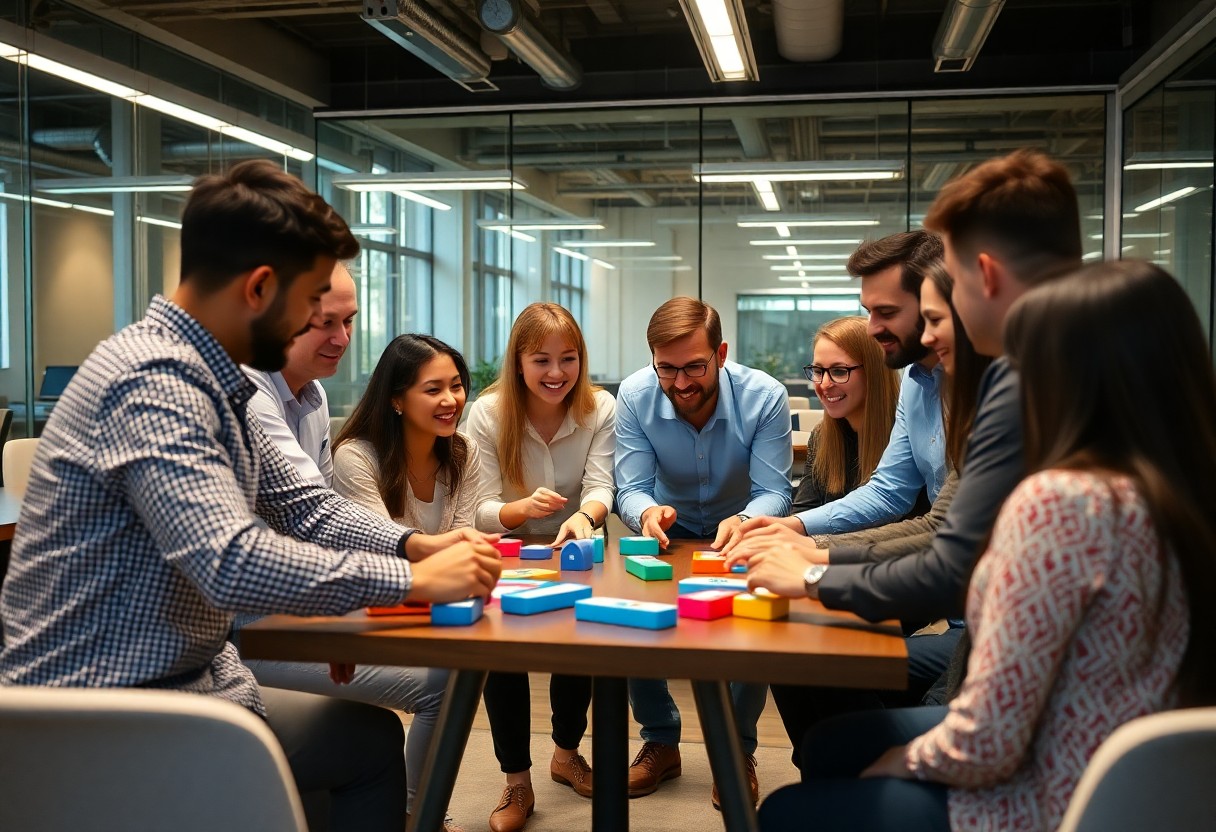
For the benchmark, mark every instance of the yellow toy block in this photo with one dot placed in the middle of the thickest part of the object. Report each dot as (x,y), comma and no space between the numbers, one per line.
(766,606)
(531,574)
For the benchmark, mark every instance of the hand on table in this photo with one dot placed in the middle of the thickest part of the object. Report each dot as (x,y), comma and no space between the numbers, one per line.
(778,569)
(656,520)
(740,529)
(463,570)
(769,537)
(421,546)
(892,763)
(576,527)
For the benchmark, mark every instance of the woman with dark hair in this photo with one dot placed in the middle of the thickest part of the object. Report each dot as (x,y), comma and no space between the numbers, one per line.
(1091,605)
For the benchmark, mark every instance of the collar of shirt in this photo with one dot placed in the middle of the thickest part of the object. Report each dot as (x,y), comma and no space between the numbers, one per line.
(567,427)
(309,399)
(172,317)
(930,380)
(724,408)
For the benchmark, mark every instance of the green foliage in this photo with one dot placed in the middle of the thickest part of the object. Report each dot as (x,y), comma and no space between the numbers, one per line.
(773,363)
(483,374)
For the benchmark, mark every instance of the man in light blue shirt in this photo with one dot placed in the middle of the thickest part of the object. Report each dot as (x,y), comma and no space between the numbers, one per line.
(702,444)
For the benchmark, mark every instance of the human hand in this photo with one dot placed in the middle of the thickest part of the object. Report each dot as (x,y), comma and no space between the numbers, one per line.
(656,520)
(743,527)
(541,503)
(420,546)
(767,537)
(892,763)
(576,527)
(463,570)
(778,569)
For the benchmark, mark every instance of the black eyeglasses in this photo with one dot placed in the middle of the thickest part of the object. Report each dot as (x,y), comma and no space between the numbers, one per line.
(694,370)
(837,374)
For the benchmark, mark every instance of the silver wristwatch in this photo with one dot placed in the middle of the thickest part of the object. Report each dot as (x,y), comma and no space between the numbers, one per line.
(811,578)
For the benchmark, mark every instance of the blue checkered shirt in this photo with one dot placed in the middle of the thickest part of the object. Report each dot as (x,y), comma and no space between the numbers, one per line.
(157,508)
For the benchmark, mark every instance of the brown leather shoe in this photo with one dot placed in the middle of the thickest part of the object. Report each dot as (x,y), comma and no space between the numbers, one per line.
(514,809)
(574,773)
(753,783)
(655,763)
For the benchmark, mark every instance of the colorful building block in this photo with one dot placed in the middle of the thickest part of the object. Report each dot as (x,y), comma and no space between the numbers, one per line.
(530,574)
(625,613)
(763,605)
(508,547)
(458,614)
(543,599)
(639,546)
(708,604)
(578,555)
(709,563)
(598,542)
(712,582)
(648,568)
(536,552)
(739,569)
(506,586)
(404,608)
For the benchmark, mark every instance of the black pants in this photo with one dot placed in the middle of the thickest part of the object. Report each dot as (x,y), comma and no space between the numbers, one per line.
(509,706)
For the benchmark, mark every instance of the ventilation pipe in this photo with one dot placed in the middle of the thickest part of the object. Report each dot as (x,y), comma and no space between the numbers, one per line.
(96,139)
(513,25)
(417,28)
(960,36)
(808,30)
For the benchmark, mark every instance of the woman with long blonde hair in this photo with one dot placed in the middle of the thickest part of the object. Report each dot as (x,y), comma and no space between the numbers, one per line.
(547,438)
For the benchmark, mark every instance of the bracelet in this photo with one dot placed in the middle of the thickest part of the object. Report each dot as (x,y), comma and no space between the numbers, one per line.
(590,519)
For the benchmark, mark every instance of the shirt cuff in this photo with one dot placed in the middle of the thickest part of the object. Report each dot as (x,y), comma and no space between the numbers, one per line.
(392,582)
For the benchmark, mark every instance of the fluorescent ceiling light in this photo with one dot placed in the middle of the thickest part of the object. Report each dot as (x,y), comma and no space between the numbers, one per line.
(158,221)
(1162,200)
(794,278)
(76,76)
(554,224)
(1091,255)
(839,258)
(434,180)
(607,243)
(273,145)
(766,195)
(373,230)
(577,255)
(783,231)
(519,235)
(424,200)
(804,221)
(657,268)
(719,28)
(115,185)
(184,113)
(1177,160)
(728,172)
(597,261)
(667,258)
(799,266)
(836,242)
(1138,235)
(841,290)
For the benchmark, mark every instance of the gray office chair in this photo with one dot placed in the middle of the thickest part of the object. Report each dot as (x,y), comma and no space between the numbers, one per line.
(89,760)
(1153,773)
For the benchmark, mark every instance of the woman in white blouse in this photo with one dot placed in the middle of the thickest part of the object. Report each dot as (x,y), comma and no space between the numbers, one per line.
(401,456)
(546,437)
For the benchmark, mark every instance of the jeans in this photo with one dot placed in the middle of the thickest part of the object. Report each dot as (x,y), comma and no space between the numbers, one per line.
(830,797)
(654,708)
(415,690)
(349,751)
(509,706)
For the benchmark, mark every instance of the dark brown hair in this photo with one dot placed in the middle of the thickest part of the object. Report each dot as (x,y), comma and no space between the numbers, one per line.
(682,316)
(912,251)
(1022,205)
(257,215)
(1086,346)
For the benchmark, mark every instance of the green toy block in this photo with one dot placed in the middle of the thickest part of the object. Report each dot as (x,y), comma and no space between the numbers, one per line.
(648,568)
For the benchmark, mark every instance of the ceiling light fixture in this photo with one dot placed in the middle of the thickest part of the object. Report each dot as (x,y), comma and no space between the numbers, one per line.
(373,230)
(160,222)
(839,258)
(1169,161)
(577,255)
(1163,200)
(115,185)
(804,221)
(432,180)
(423,200)
(604,263)
(794,278)
(766,195)
(835,242)
(657,258)
(607,243)
(827,171)
(719,28)
(554,224)
(810,268)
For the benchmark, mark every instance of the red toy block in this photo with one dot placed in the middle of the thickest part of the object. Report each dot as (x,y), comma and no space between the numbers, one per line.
(707,604)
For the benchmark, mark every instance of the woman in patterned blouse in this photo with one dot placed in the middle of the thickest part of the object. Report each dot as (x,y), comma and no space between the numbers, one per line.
(1092,604)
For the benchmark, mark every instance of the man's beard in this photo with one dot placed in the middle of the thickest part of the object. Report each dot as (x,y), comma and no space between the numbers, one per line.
(692,407)
(269,345)
(910,349)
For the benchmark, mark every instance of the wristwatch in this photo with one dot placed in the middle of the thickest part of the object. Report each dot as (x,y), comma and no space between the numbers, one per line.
(811,578)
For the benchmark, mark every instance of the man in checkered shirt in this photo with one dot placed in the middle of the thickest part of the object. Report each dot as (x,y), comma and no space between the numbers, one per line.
(157,507)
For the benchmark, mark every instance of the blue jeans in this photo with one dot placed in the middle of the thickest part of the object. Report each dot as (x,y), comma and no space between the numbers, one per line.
(830,797)
(654,708)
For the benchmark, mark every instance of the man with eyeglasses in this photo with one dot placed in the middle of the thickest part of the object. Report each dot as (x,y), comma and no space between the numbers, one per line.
(702,444)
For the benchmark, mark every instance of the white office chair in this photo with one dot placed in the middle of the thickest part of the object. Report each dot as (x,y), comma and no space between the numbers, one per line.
(140,761)
(18,456)
(806,419)
(1152,773)
(800,403)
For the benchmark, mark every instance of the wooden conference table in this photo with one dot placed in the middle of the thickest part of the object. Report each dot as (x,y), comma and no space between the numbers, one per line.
(813,647)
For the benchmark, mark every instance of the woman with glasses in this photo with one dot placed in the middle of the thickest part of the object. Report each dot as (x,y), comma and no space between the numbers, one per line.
(547,438)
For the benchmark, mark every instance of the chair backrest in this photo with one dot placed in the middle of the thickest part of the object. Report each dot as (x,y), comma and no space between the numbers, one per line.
(139,760)
(1152,773)
(806,419)
(800,403)
(18,456)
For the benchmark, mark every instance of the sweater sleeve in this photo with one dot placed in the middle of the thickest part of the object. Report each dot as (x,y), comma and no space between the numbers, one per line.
(894,539)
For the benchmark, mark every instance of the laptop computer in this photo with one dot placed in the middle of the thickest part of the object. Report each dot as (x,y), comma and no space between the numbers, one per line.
(55,380)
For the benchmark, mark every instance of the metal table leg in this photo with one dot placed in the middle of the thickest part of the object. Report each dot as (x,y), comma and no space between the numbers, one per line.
(610,755)
(447,749)
(725,755)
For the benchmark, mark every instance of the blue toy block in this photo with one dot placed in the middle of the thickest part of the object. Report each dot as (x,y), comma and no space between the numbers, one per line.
(535,552)
(578,555)
(543,599)
(458,614)
(599,549)
(638,546)
(739,569)
(625,613)
(711,582)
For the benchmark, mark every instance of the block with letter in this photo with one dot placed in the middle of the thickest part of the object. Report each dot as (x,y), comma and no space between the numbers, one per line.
(763,605)
(578,555)
(508,547)
(639,545)
(712,582)
(708,604)
(459,613)
(530,574)
(536,552)
(709,563)
(647,615)
(648,568)
(556,596)
(404,608)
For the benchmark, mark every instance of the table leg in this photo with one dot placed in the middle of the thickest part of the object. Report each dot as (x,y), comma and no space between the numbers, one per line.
(725,755)
(610,755)
(447,749)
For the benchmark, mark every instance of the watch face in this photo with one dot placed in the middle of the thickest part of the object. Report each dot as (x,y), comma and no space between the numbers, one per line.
(498,15)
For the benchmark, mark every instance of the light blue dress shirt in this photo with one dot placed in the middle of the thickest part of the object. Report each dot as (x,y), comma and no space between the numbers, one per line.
(738,463)
(915,457)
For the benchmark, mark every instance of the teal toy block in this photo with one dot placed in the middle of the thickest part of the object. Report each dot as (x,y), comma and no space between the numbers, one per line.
(598,542)
(647,615)
(648,568)
(712,582)
(639,546)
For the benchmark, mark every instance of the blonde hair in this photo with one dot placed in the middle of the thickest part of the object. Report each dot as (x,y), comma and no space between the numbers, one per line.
(535,324)
(882,393)
(680,317)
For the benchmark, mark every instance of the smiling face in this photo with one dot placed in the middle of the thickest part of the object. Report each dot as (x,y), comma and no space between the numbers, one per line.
(316,353)
(895,321)
(290,314)
(939,325)
(694,398)
(434,402)
(551,371)
(840,399)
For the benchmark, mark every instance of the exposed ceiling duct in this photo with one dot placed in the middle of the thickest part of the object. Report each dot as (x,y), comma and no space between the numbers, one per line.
(960,36)
(418,29)
(808,30)
(514,26)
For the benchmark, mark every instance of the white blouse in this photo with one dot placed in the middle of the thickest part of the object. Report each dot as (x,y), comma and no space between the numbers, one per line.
(577,464)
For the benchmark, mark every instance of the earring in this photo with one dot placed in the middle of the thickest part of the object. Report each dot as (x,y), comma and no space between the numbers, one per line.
(395,410)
